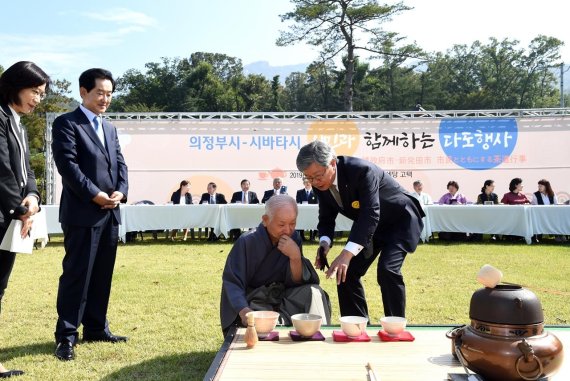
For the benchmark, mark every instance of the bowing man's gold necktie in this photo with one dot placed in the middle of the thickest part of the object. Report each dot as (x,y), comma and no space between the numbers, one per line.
(335,193)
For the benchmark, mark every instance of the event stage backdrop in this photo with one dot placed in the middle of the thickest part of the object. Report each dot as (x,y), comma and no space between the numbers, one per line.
(160,153)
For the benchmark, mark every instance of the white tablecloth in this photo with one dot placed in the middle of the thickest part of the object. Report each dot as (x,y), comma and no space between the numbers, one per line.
(236,216)
(519,220)
(550,219)
(485,219)
(159,217)
(52,219)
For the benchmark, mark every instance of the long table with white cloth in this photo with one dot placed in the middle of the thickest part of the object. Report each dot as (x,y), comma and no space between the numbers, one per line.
(222,218)
(519,220)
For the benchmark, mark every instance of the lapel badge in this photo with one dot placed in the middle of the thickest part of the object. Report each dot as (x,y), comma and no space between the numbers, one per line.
(355,205)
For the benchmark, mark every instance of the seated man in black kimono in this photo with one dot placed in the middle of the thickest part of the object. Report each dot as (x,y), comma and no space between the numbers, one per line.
(266,270)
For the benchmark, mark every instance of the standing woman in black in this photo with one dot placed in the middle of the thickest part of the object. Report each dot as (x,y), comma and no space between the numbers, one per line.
(22,87)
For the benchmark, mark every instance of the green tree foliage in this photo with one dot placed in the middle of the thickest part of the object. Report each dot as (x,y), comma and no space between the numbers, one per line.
(57,101)
(340,27)
(276,95)
(159,89)
(498,75)
(210,82)
(492,75)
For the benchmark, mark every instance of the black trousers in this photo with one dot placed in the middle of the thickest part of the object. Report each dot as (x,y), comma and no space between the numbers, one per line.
(85,285)
(6,264)
(351,296)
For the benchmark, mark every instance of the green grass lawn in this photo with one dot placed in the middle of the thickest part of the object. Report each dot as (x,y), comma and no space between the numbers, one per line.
(165,297)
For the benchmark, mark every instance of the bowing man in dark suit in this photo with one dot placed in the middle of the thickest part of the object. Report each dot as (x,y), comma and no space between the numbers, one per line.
(88,157)
(245,196)
(212,197)
(278,188)
(307,196)
(22,87)
(387,220)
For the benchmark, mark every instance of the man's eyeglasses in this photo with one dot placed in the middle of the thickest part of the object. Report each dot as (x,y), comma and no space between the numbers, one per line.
(318,177)
(38,94)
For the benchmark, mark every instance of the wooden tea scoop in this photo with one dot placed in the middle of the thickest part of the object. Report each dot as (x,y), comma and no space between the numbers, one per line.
(371,374)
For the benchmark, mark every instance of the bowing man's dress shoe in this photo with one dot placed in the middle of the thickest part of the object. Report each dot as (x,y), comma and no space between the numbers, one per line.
(104,336)
(64,351)
(11,373)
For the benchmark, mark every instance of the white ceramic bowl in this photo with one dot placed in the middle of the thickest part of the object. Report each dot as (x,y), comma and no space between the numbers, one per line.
(393,325)
(307,324)
(264,322)
(353,326)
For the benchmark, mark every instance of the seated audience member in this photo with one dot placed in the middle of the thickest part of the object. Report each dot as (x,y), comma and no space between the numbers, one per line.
(423,197)
(545,196)
(278,188)
(182,197)
(266,270)
(307,196)
(515,196)
(487,194)
(485,197)
(245,196)
(452,197)
(212,197)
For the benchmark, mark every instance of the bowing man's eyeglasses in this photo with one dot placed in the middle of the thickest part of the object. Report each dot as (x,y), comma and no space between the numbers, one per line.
(318,177)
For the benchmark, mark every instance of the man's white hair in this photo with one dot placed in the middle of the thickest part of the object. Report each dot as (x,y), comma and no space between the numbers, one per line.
(277,202)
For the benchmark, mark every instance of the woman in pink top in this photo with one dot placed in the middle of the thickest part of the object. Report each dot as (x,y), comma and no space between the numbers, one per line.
(515,196)
(453,197)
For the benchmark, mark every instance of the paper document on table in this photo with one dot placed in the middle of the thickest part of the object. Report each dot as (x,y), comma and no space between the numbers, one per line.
(13,242)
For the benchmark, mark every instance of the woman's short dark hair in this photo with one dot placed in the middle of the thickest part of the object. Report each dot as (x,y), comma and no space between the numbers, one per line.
(183,183)
(88,77)
(514,182)
(454,183)
(486,184)
(21,75)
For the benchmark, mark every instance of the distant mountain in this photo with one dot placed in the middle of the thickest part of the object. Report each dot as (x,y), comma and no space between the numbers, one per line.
(268,71)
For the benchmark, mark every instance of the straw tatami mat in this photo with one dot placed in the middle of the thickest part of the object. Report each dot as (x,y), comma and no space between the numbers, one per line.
(427,358)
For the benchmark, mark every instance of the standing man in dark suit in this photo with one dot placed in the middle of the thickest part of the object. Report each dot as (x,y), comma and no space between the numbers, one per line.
(245,196)
(88,157)
(387,220)
(22,87)
(307,196)
(278,188)
(212,197)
